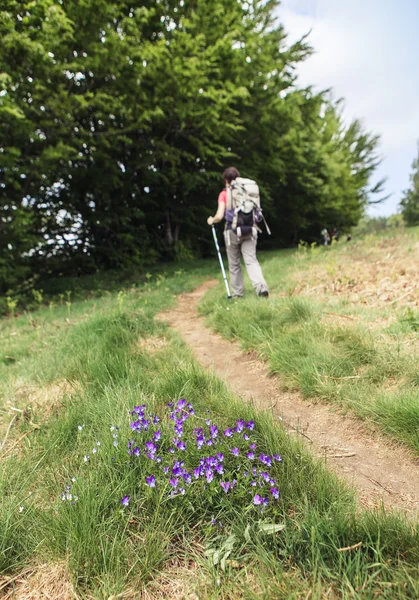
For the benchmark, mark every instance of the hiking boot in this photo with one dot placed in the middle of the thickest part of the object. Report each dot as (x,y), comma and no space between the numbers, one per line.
(265,294)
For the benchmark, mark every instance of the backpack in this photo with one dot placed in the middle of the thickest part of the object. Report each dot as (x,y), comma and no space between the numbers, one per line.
(243,210)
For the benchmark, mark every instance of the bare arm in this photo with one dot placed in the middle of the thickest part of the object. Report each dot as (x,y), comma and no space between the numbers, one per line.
(219,215)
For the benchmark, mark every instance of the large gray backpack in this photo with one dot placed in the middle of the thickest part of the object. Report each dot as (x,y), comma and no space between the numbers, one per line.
(243,210)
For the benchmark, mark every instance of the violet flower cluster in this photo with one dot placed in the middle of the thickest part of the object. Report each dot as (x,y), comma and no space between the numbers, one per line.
(184,459)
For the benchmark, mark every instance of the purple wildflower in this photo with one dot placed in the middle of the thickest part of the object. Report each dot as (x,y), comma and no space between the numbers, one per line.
(125,501)
(251,455)
(228,433)
(220,456)
(213,431)
(225,485)
(240,426)
(246,437)
(136,451)
(209,475)
(151,447)
(156,420)
(219,469)
(277,457)
(265,459)
(181,404)
(181,446)
(252,446)
(257,500)
(198,472)
(151,481)
(171,450)
(235,451)
(275,493)
(250,425)
(174,482)
(165,470)
(157,435)
(170,404)
(208,422)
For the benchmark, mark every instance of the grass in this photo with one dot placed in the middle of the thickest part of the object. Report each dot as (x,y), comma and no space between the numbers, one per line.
(114,356)
(331,343)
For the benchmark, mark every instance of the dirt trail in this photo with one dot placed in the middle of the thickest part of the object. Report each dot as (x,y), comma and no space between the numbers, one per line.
(379,469)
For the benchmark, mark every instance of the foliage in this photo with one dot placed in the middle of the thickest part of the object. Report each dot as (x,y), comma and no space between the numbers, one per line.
(103,353)
(371,225)
(117,118)
(410,201)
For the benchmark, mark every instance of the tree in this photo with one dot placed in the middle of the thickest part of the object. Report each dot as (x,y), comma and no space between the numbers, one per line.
(117,118)
(410,201)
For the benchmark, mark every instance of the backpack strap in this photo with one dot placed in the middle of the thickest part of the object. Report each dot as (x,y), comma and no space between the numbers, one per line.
(229,204)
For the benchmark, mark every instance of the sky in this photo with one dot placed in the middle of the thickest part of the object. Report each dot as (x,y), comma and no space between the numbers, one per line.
(368,52)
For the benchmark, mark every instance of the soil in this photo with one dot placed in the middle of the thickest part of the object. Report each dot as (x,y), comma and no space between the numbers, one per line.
(382,472)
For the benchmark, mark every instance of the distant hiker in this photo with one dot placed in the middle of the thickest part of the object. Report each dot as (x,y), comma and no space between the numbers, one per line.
(326,237)
(239,203)
(335,234)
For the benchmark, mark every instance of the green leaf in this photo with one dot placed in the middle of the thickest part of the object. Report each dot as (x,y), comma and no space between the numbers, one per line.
(247,533)
(271,528)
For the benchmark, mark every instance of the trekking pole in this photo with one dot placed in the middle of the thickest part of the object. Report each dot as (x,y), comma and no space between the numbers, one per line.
(214,234)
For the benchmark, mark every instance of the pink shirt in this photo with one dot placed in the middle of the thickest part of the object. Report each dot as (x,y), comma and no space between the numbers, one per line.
(222,197)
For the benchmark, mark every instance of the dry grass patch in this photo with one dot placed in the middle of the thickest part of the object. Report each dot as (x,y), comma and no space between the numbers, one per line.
(151,345)
(32,405)
(383,274)
(49,581)
(177,582)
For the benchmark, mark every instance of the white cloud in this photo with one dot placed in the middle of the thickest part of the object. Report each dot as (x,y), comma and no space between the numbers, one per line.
(366,50)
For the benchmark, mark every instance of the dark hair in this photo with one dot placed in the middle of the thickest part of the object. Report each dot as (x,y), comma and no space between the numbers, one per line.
(230,174)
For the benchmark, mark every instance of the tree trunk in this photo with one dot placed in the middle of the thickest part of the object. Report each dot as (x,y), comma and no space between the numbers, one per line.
(169,234)
(177,232)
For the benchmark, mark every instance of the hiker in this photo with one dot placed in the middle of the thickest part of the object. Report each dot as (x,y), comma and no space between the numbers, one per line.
(240,233)
(326,236)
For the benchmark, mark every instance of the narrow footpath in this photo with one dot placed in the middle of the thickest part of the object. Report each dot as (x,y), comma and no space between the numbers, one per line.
(379,469)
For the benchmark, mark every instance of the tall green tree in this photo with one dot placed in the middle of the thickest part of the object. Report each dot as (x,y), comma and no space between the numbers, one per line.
(117,118)
(410,201)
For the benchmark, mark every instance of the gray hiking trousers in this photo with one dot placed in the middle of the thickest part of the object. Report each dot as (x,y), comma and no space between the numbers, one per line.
(246,247)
